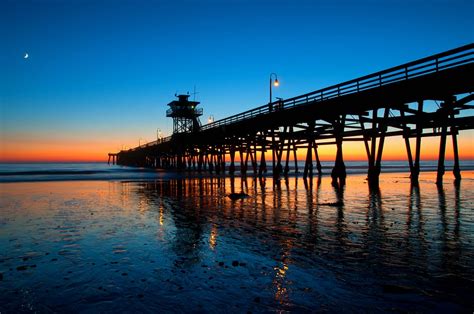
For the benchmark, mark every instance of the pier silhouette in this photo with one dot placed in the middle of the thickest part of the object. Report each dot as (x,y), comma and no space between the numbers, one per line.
(368,109)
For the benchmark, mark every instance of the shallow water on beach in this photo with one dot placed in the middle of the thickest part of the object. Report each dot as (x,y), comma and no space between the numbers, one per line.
(182,245)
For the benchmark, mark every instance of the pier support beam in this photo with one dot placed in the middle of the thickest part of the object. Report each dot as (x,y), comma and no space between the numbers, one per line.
(243,161)
(114,159)
(218,162)
(419,130)
(375,161)
(253,157)
(190,162)
(338,173)
(406,138)
(274,153)
(446,107)
(210,161)
(442,153)
(279,147)
(291,143)
(318,162)
(308,167)
(456,167)
(222,160)
(232,160)
(295,156)
(263,164)
(200,160)
(288,149)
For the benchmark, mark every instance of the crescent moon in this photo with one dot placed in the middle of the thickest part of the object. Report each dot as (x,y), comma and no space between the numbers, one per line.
(26,56)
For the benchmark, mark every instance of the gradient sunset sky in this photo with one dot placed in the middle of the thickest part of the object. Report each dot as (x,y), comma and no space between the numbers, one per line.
(100,73)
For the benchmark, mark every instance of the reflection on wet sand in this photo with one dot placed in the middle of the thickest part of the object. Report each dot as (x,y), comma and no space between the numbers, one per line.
(293,244)
(292,221)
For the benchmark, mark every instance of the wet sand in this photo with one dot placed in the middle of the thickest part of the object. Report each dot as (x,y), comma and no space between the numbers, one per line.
(182,245)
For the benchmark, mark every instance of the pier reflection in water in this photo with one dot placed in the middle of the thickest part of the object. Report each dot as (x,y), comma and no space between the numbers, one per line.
(181,244)
(333,243)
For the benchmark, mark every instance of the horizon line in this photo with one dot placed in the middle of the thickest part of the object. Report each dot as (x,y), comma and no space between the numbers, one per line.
(302,160)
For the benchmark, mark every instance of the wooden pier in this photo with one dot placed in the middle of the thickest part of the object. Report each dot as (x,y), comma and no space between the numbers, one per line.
(368,109)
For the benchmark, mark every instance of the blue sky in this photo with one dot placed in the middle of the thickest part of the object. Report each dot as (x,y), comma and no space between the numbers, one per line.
(107,69)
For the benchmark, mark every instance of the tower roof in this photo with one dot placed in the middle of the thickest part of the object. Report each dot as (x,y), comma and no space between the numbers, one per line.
(183,102)
(183,108)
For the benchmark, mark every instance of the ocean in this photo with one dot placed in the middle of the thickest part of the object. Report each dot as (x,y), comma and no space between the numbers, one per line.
(99,238)
(31,172)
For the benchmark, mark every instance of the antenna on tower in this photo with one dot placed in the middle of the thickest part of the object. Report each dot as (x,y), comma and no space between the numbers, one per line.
(194,93)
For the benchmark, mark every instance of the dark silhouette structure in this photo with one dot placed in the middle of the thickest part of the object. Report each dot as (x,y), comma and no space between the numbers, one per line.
(185,115)
(112,157)
(368,109)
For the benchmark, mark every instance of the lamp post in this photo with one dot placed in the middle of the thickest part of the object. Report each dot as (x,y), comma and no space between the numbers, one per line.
(158,135)
(139,142)
(275,83)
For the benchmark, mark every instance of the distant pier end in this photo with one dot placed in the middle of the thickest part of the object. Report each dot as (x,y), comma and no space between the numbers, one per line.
(113,157)
(369,109)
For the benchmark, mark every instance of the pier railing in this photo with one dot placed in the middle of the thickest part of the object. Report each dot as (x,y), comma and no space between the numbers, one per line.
(456,57)
(158,141)
(439,62)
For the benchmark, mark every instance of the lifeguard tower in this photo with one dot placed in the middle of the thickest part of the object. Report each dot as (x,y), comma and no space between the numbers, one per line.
(185,115)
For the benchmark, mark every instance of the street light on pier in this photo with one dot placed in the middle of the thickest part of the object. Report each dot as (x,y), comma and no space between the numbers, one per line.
(139,142)
(158,135)
(273,83)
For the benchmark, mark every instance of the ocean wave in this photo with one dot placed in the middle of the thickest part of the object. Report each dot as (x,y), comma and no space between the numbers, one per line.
(102,171)
(48,172)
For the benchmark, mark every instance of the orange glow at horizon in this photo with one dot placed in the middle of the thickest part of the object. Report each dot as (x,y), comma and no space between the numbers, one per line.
(394,149)
(36,149)
(63,149)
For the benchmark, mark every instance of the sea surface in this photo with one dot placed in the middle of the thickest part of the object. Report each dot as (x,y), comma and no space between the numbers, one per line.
(32,172)
(97,238)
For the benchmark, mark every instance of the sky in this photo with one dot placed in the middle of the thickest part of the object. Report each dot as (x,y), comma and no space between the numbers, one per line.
(100,73)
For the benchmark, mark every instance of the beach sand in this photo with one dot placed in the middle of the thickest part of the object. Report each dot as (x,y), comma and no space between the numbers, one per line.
(183,245)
